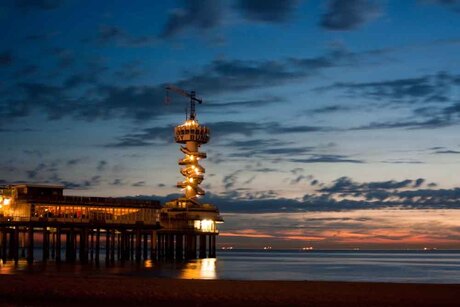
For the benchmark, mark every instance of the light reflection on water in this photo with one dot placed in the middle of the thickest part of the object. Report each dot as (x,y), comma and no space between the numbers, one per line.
(415,267)
(199,269)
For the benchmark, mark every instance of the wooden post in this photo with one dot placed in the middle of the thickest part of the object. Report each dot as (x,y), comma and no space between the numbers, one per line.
(84,245)
(46,244)
(179,246)
(145,247)
(3,241)
(91,245)
(58,244)
(153,244)
(30,245)
(112,246)
(119,246)
(202,246)
(15,235)
(98,244)
(23,243)
(138,245)
(107,246)
(53,245)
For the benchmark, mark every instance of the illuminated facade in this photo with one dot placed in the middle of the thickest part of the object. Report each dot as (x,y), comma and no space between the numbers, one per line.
(32,202)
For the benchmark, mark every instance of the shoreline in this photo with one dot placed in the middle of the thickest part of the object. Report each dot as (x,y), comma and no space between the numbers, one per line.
(55,290)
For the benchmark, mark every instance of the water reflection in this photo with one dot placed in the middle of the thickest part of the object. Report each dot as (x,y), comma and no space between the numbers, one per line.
(199,269)
(10,267)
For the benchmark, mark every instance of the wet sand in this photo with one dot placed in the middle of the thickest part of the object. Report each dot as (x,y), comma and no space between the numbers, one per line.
(37,290)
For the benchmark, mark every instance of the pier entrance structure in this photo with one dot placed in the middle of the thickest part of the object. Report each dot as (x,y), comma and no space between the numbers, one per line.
(75,227)
(189,225)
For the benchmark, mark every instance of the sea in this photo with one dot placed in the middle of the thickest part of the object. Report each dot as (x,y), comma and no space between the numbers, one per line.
(433,266)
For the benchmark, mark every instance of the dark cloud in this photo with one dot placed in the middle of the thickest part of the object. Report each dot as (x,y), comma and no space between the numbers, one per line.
(329,109)
(446,152)
(26,71)
(6,58)
(198,14)
(348,14)
(65,57)
(453,5)
(73,162)
(117,182)
(428,88)
(102,101)
(233,75)
(230,180)
(327,159)
(347,185)
(438,122)
(101,165)
(401,161)
(80,185)
(138,184)
(39,4)
(108,34)
(237,106)
(270,11)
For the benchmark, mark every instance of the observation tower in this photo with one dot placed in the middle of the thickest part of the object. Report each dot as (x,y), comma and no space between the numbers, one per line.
(189,224)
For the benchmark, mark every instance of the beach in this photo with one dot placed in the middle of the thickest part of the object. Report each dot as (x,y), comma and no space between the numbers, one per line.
(54,290)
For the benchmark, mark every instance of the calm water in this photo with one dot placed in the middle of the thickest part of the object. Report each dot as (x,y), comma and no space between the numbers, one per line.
(385,266)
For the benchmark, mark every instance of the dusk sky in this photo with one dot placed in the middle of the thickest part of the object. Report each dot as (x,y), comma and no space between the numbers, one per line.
(334,124)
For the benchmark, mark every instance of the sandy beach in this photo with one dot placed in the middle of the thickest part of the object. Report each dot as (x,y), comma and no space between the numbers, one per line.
(36,290)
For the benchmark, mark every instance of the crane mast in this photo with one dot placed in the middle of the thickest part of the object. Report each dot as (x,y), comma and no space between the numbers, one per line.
(191,95)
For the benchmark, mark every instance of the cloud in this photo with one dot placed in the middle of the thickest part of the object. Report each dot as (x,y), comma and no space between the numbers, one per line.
(270,11)
(198,14)
(446,152)
(222,76)
(103,101)
(6,58)
(347,185)
(438,122)
(108,34)
(329,109)
(327,159)
(345,15)
(101,165)
(39,4)
(453,5)
(138,184)
(427,88)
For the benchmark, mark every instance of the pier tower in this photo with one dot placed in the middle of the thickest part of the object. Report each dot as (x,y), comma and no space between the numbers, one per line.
(188,224)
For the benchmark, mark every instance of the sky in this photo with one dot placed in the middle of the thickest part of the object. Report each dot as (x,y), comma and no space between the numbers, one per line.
(334,124)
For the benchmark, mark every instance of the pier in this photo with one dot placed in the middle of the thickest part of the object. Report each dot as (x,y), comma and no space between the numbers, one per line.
(39,223)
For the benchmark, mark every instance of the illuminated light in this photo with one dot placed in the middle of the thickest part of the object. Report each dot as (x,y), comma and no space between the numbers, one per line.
(207,225)
(189,187)
(7,201)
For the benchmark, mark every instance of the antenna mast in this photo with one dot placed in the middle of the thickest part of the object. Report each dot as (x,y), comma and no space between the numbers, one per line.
(191,95)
